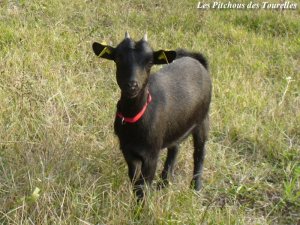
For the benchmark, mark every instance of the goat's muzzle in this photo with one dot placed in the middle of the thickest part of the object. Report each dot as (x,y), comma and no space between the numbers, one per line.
(131,89)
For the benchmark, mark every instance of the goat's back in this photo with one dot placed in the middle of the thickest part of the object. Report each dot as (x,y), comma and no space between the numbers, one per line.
(182,91)
(185,81)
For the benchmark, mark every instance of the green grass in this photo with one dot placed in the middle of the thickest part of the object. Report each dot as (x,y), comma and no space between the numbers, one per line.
(59,158)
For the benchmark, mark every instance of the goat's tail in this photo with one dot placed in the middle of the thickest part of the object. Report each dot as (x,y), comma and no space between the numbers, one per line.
(198,56)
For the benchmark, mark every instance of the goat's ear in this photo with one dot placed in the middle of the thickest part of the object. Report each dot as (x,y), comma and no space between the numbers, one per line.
(163,56)
(104,51)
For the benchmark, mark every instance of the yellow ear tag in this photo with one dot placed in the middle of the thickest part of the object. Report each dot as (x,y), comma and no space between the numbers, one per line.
(105,50)
(163,56)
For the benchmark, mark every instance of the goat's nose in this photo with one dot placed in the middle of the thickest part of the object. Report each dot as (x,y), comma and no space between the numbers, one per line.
(132,85)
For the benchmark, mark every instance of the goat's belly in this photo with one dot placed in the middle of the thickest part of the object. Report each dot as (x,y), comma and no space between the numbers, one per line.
(175,139)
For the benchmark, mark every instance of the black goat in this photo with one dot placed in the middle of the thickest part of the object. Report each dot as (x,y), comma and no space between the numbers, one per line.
(159,110)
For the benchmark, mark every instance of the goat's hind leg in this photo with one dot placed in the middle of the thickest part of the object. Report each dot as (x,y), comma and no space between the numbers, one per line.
(168,166)
(200,135)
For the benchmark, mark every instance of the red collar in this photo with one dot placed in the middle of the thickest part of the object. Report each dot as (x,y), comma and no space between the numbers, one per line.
(138,116)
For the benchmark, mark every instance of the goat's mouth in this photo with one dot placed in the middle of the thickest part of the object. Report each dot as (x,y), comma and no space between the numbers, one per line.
(131,93)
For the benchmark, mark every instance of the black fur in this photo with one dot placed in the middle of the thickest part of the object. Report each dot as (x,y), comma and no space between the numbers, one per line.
(181,95)
(195,55)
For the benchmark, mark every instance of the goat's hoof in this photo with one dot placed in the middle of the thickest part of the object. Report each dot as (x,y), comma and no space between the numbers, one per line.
(196,185)
(139,193)
(162,184)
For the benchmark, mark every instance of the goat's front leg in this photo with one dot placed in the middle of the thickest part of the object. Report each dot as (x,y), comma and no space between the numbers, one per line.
(148,169)
(134,169)
(169,166)
(141,171)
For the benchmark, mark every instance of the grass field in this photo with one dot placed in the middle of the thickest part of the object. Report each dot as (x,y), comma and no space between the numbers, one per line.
(59,158)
